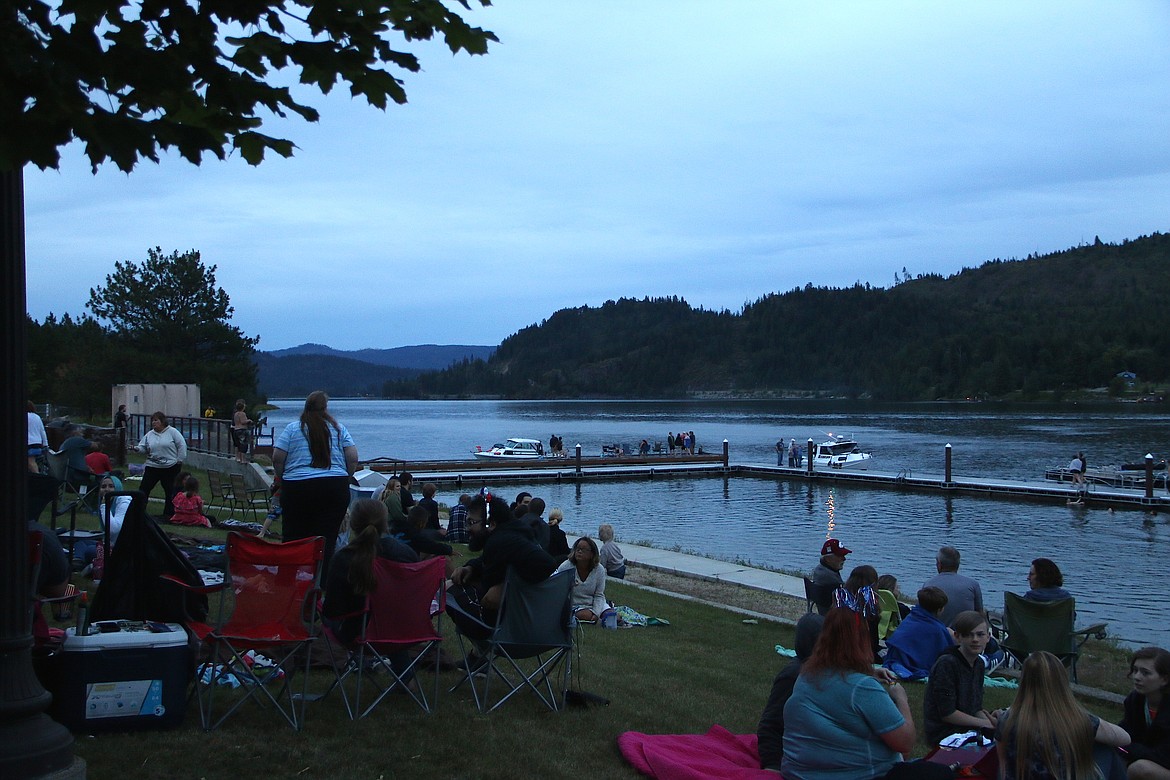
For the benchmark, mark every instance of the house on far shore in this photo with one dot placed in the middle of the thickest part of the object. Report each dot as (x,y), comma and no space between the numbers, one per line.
(1129,377)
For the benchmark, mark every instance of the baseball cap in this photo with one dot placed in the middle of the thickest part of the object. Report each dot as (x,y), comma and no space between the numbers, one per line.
(833,547)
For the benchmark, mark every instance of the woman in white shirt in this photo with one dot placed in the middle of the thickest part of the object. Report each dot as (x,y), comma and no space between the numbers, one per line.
(589,584)
(165,449)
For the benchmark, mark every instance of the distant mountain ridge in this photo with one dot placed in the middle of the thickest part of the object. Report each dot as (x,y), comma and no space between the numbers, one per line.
(421,357)
(302,369)
(1032,328)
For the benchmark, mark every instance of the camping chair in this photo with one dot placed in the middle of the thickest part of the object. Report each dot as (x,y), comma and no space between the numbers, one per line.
(45,638)
(221,495)
(890,615)
(399,615)
(534,623)
(254,500)
(274,596)
(819,596)
(1045,625)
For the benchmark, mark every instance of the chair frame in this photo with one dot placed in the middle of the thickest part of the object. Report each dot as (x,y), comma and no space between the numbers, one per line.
(1063,640)
(227,650)
(221,495)
(507,645)
(819,597)
(246,499)
(387,623)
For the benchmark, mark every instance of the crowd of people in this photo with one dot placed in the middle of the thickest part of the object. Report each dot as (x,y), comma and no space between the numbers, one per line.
(839,710)
(792,452)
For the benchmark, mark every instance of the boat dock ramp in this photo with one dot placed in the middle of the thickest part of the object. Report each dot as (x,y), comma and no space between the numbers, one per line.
(475,473)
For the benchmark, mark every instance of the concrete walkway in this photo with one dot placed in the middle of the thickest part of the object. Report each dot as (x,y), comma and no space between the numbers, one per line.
(711,569)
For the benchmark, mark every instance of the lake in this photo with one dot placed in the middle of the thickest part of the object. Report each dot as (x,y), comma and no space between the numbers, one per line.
(1105,556)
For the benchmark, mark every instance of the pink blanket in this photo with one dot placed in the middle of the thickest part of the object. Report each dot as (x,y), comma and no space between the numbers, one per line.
(711,756)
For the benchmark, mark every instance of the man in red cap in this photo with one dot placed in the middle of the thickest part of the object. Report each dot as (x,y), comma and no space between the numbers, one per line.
(828,571)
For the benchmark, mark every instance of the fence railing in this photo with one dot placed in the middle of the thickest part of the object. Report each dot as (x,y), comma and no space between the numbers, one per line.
(203,434)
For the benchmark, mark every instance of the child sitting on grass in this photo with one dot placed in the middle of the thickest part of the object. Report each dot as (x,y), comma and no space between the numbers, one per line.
(954,693)
(189,505)
(611,555)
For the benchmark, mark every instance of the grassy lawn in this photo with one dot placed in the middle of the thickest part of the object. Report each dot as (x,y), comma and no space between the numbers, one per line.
(708,666)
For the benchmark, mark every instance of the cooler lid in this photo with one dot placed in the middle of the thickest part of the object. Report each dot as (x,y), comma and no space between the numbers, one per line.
(124,639)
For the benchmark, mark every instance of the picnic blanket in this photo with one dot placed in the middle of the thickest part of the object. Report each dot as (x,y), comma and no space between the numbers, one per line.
(628,617)
(716,755)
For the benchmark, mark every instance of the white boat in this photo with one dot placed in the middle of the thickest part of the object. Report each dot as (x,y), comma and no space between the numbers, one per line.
(512,449)
(839,452)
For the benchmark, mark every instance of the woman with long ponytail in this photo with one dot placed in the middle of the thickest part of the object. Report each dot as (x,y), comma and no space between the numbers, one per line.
(313,460)
(351,577)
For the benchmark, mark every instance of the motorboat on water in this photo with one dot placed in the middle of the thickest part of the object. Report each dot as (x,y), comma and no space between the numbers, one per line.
(512,449)
(1127,475)
(839,452)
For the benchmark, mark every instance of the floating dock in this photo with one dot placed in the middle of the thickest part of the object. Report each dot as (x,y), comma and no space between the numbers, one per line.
(474,473)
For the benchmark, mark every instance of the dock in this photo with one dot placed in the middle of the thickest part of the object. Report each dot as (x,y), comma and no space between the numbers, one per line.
(474,473)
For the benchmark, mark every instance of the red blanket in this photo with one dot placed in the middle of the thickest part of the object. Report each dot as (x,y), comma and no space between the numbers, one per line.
(712,756)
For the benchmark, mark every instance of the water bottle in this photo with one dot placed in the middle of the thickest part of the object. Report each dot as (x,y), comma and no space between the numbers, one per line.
(82,628)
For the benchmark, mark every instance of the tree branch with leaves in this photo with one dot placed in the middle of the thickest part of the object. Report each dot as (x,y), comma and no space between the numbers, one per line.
(130,78)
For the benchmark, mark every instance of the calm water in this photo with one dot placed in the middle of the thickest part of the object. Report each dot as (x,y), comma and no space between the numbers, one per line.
(1106,556)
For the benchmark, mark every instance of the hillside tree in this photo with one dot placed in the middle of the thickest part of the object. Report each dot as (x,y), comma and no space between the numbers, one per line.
(128,79)
(174,320)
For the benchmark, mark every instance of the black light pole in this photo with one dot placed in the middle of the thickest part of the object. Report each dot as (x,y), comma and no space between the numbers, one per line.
(32,745)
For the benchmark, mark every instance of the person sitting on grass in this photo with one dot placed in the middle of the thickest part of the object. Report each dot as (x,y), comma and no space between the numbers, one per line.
(189,505)
(415,534)
(770,732)
(351,573)
(954,693)
(588,600)
(1046,733)
(457,521)
(611,555)
(1146,720)
(921,638)
(558,543)
(432,506)
(392,499)
(842,721)
(85,550)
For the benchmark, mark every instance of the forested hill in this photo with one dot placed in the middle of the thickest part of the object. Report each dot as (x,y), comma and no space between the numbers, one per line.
(1057,322)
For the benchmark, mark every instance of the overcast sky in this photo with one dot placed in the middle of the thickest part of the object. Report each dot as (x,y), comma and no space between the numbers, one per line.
(716,151)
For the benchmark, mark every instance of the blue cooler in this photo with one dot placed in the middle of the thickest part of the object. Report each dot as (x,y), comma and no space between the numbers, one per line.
(129,679)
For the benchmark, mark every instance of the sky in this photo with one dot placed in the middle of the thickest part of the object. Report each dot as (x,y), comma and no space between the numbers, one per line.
(606,149)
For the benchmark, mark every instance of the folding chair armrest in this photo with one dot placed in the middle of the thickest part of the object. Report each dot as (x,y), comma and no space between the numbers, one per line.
(1097,631)
(311,607)
(205,589)
(60,599)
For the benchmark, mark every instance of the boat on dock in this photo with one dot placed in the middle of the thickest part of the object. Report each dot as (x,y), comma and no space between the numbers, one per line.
(839,452)
(512,449)
(1127,475)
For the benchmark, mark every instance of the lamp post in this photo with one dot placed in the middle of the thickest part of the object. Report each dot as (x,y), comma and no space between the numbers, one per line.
(32,745)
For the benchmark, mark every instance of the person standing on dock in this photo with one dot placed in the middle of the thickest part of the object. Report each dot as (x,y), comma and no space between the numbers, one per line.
(792,454)
(780,452)
(828,571)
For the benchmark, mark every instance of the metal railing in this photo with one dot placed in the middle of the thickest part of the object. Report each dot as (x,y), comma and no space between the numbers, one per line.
(209,435)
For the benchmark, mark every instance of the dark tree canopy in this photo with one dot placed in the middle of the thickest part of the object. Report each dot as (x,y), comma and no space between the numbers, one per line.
(171,322)
(131,78)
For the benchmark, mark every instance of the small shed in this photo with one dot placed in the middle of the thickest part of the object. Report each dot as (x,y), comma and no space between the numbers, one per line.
(173,400)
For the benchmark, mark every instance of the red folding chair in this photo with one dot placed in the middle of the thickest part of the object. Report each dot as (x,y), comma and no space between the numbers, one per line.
(402,614)
(274,589)
(45,637)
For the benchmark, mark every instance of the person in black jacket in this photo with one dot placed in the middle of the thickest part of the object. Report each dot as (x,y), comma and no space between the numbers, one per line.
(1147,715)
(770,732)
(477,586)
